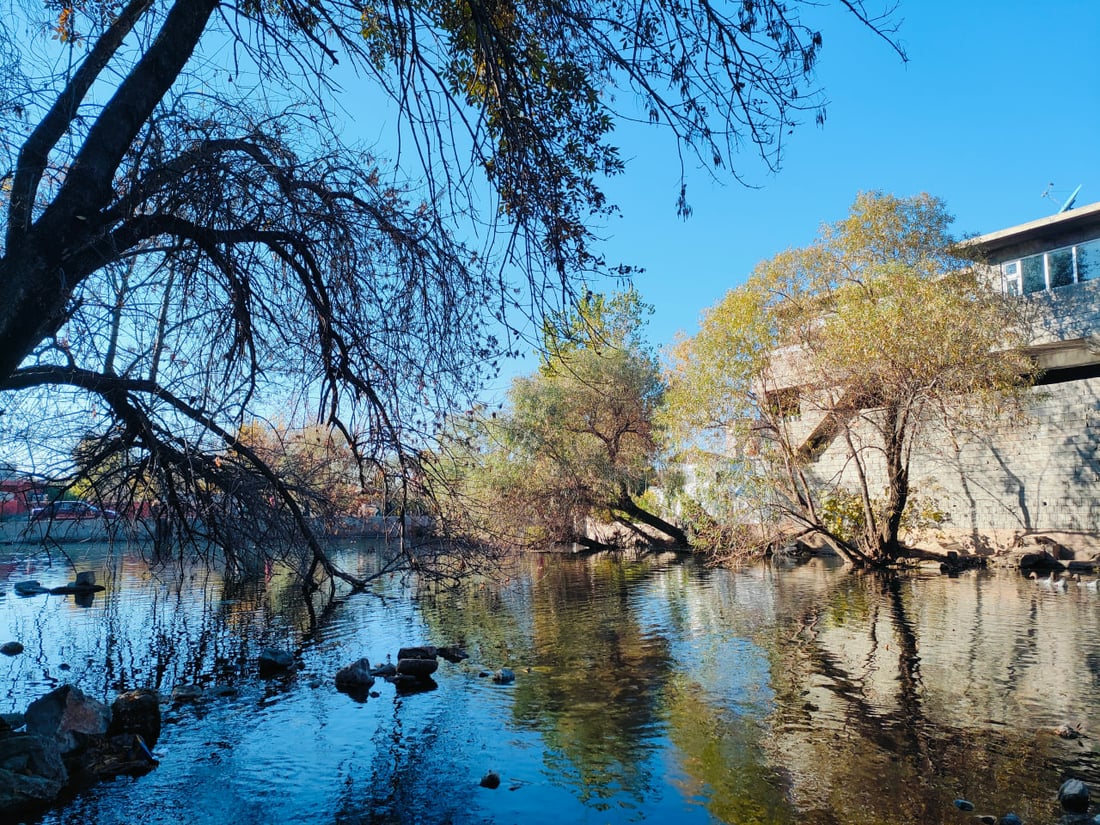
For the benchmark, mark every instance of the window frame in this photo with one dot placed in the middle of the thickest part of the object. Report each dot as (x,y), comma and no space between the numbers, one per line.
(1013,281)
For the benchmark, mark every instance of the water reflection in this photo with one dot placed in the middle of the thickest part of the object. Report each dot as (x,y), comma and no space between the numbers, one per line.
(646,689)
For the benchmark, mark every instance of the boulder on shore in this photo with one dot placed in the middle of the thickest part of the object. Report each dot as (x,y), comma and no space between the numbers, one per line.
(126,754)
(32,773)
(68,717)
(1040,562)
(137,712)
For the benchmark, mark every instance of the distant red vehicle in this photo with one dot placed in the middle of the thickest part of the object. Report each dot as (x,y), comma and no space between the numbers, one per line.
(70,511)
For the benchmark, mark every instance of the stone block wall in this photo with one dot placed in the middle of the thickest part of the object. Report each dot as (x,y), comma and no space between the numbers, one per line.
(1036,470)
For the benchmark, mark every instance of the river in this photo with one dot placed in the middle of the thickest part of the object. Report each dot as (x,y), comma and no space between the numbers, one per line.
(651,689)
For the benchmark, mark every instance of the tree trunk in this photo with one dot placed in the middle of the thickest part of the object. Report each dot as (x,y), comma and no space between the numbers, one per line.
(675,534)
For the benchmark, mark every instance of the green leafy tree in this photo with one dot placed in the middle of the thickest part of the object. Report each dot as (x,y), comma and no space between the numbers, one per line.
(579,439)
(187,240)
(863,342)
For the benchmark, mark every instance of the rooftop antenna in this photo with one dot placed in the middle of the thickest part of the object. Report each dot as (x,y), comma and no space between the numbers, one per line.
(1067,204)
(1069,201)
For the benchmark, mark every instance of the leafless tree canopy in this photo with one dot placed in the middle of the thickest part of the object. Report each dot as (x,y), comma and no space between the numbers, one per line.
(187,237)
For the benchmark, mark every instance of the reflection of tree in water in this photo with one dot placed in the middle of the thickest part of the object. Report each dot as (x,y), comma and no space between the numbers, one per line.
(155,626)
(598,689)
(722,758)
(411,775)
(852,721)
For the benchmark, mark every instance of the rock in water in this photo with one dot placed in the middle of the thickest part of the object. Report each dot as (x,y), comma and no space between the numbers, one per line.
(418,668)
(186,693)
(137,712)
(273,661)
(85,578)
(454,655)
(421,652)
(11,648)
(29,588)
(504,676)
(68,717)
(491,780)
(122,755)
(1074,796)
(356,676)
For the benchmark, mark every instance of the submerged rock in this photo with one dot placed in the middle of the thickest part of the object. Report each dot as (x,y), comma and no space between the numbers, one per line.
(454,655)
(273,661)
(11,648)
(1074,796)
(186,693)
(491,780)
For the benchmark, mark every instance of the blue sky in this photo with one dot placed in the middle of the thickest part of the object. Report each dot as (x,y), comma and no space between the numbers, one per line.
(998,100)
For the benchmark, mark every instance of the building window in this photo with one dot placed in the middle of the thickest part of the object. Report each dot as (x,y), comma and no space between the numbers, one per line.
(1051,270)
(1088,260)
(1035,279)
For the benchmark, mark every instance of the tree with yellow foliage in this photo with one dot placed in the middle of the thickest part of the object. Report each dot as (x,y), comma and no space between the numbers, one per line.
(859,342)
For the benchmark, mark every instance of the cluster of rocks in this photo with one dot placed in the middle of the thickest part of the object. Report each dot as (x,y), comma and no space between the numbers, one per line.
(412,673)
(954,564)
(1073,796)
(67,740)
(83,588)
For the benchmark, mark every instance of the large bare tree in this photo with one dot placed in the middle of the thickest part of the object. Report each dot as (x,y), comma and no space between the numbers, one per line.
(188,240)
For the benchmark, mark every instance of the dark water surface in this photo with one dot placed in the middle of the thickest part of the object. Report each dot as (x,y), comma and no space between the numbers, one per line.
(647,690)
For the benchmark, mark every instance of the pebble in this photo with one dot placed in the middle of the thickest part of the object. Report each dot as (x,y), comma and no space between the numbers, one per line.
(963,805)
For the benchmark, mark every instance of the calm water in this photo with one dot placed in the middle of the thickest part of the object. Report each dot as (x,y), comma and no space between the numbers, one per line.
(647,690)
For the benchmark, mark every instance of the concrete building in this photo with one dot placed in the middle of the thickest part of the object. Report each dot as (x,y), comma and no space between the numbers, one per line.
(1037,471)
